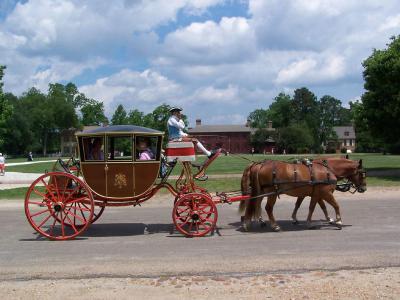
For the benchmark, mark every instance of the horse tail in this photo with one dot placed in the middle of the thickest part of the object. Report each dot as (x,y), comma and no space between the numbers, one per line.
(254,204)
(245,186)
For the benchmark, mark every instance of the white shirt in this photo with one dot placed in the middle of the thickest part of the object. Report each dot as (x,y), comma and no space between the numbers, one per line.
(2,160)
(175,122)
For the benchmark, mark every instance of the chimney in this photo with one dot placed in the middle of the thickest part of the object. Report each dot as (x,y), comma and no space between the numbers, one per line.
(269,126)
(198,122)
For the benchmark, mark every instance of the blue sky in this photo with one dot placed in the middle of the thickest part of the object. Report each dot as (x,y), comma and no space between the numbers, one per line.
(218,59)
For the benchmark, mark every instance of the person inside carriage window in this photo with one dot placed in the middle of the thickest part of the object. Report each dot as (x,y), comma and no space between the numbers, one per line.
(175,131)
(96,151)
(144,150)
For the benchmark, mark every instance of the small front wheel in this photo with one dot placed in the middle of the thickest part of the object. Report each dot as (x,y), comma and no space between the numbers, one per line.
(195,214)
(59,206)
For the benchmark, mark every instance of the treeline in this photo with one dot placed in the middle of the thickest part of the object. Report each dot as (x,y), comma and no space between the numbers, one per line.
(34,121)
(303,123)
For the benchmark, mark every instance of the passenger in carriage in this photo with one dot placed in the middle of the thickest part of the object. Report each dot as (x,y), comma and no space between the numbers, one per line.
(144,150)
(96,151)
(176,133)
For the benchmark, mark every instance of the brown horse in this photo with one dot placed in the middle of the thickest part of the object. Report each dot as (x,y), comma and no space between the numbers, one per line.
(272,178)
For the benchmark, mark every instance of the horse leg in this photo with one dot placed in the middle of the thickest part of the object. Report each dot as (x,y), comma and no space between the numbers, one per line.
(323,207)
(296,208)
(269,208)
(311,209)
(332,201)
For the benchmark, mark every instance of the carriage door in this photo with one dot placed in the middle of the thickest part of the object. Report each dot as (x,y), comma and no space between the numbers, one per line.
(119,166)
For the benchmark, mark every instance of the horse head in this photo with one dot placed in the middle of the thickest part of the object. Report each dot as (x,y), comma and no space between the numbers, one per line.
(358,178)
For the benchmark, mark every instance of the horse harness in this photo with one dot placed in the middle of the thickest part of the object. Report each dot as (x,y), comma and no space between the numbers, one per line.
(313,182)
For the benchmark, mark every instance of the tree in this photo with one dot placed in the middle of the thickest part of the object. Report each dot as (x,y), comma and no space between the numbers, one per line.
(381,101)
(294,139)
(5,109)
(119,117)
(135,117)
(93,113)
(280,112)
(329,110)
(306,111)
(258,118)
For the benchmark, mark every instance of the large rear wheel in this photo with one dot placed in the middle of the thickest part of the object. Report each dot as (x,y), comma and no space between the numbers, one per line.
(195,214)
(59,206)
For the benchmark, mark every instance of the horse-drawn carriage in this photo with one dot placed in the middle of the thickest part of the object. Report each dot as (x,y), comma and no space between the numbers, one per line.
(111,171)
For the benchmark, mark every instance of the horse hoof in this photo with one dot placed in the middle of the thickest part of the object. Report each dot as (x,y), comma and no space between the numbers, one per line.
(339,225)
(276,228)
(331,221)
(295,222)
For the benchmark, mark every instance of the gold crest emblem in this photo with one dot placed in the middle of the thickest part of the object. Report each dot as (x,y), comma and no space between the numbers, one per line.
(120,180)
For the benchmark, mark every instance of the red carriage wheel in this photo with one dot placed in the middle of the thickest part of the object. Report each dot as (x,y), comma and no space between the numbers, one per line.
(195,214)
(59,205)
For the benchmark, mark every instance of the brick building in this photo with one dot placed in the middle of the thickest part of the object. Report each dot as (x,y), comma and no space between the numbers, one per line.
(233,138)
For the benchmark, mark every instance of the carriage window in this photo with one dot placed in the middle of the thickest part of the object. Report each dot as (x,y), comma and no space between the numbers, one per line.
(119,148)
(147,148)
(93,148)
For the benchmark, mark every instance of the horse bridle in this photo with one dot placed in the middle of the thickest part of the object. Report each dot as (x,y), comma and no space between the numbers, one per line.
(348,185)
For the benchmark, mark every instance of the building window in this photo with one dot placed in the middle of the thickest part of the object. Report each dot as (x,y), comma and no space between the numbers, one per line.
(346,133)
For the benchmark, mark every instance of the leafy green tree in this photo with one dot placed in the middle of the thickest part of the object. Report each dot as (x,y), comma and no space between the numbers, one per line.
(365,141)
(93,113)
(258,118)
(20,136)
(135,117)
(280,112)
(295,139)
(119,117)
(329,116)
(5,109)
(306,111)
(381,101)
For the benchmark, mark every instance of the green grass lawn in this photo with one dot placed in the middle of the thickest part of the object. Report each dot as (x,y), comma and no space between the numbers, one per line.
(233,164)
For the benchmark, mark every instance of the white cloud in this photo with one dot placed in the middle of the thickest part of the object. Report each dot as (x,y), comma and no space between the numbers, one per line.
(231,40)
(310,70)
(143,90)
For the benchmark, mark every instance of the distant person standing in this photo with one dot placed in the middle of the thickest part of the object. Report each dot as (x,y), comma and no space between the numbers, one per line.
(30,157)
(2,164)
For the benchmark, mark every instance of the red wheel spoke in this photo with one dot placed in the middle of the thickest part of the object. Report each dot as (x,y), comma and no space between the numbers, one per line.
(37,203)
(56,185)
(80,208)
(52,226)
(76,200)
(39,194)
(73,192)
(62,225)
(40,212)
(72,224)
(182,211)
(76,216)
(49,190)
(44,220)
